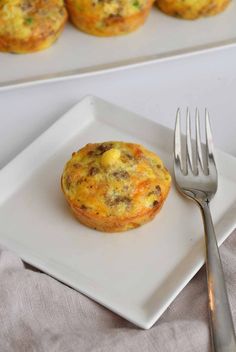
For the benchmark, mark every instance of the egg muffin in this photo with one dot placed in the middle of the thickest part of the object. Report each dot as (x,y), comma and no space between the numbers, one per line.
(108,17)
(30,25)
(192,9)
(115,186)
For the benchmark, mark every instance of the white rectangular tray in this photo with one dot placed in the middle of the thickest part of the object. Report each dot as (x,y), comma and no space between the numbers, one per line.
(136,274)
(78,54)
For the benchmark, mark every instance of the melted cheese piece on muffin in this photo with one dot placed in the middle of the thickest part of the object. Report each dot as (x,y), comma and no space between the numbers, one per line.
(108,17)
(27,26)
(115,186)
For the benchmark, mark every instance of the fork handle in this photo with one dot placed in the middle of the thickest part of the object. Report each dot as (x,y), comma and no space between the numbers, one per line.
(221,322)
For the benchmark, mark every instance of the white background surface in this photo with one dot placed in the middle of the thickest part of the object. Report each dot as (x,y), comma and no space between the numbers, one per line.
(205,80)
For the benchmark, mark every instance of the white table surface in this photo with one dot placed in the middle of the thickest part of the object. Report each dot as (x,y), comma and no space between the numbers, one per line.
(156,90)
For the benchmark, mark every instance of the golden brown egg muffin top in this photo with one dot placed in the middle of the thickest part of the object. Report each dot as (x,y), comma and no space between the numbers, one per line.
(106,8)
(115,179)
(24,19)
(192,9)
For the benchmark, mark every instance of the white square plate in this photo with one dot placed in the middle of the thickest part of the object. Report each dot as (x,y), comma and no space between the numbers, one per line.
(136,274)
(79,54)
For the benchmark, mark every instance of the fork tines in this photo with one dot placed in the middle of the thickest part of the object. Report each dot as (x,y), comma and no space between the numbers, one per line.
(191,156)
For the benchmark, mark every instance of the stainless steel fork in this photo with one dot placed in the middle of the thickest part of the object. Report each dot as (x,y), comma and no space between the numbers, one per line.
(196,178)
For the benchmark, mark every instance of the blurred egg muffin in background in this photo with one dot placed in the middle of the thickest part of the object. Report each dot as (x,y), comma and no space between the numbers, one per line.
(192,9)
(115,186)
(30,25)
(108,17)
